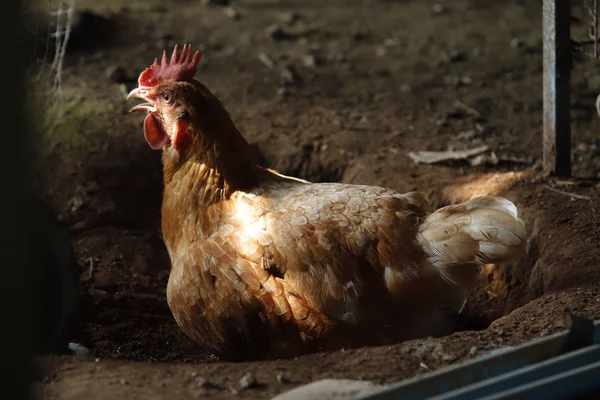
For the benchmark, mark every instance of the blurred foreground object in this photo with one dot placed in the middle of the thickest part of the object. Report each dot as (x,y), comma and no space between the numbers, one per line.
(16,312)
(565,365)
(57,277)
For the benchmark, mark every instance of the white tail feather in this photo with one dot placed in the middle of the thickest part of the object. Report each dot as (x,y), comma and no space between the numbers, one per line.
(480,231)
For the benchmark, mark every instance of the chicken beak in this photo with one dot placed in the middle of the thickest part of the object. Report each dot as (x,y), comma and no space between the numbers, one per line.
(141,93)
(138,92)
(144,107)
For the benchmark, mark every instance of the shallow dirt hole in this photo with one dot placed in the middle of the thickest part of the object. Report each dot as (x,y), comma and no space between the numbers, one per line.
(124,313)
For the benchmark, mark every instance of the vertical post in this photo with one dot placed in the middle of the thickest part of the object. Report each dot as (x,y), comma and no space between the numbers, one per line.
(557,87)
(595,24)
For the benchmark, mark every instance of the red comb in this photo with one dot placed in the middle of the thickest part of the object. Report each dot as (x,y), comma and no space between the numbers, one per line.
(181,67)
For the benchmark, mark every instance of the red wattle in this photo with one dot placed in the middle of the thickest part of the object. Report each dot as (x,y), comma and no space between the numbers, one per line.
(154,134)
(181,139)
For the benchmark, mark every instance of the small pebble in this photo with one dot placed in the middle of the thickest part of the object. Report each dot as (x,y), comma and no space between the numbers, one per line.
(248,381)
(288,17)
(391,42)
(309,61)
(406,88)
(288,75)
(516,43)
(282,93)
(466,81)
(381,51)
(206,384)
(200,381)
(466,135)
(232,13)
(274,32)
(282,379)
(78,349)
(438,9)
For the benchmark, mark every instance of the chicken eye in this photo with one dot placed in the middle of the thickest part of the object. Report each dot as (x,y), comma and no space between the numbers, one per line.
(167,98)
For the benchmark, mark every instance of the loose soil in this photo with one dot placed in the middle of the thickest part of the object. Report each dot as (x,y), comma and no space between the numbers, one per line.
(354,86)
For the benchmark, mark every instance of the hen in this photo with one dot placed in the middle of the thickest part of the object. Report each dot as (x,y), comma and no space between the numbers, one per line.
(266,266)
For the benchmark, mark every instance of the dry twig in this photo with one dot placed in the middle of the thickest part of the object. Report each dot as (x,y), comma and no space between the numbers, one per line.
(573,195)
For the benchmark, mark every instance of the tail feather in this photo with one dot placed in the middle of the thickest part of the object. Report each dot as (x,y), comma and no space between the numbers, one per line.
(483,230)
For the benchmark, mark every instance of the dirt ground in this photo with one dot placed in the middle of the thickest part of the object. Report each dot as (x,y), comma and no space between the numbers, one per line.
(352,88)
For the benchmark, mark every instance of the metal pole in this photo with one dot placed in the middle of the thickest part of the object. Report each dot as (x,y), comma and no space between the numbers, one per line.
(557,87)
(595,24)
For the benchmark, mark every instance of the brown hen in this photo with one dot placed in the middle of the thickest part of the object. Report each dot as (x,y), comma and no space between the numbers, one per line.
(267,266)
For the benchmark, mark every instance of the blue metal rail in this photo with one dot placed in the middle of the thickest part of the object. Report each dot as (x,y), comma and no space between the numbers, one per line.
(559,366)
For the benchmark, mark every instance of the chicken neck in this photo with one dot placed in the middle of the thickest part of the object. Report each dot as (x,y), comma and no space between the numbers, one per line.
(217,163)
